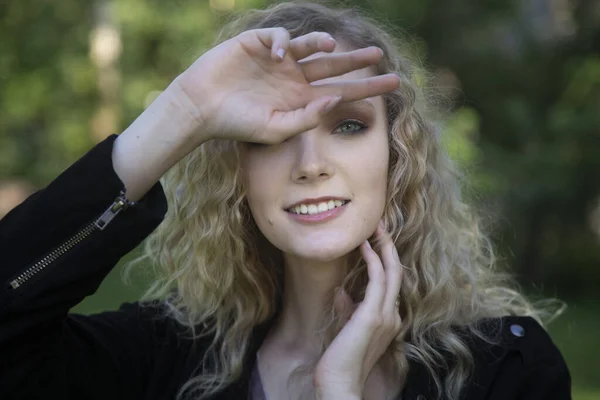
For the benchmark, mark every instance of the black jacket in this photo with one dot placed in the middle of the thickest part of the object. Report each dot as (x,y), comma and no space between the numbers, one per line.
(48,266)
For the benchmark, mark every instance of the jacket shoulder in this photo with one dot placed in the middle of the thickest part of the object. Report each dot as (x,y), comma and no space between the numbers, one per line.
(518,334)
(517,359)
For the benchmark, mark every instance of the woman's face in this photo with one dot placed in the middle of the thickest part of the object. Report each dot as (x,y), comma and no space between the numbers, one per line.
(345,157)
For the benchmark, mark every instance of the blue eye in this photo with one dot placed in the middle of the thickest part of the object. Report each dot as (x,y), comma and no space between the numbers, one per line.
(350,126)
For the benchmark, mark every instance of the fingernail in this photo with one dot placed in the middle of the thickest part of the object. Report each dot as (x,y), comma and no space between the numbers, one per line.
(280,53)
(368,244)
(381,225)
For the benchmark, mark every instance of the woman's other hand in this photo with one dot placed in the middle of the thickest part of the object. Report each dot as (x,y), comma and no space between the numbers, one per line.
(372,326)
(244,90)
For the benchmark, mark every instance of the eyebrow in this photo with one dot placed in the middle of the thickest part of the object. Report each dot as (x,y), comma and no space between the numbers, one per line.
(364,104)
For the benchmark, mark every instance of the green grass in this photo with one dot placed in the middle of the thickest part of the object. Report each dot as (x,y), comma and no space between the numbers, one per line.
(576,332)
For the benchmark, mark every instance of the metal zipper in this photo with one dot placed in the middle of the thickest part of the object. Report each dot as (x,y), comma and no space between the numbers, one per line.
(121,203)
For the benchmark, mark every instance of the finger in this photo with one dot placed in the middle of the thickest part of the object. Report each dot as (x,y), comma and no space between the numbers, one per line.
(277,39)
(289,123)
(359,89)
(392,268)
(336,64)
(375,291)
(306,45)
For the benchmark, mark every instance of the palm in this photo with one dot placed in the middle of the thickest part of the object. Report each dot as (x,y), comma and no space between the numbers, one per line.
(264,88)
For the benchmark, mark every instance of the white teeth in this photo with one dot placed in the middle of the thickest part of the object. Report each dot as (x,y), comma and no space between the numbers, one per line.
(317,208)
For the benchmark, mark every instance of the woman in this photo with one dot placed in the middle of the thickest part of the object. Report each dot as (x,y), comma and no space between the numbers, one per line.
(315,242)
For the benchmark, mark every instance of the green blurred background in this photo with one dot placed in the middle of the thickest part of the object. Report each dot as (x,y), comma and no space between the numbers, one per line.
(520,80)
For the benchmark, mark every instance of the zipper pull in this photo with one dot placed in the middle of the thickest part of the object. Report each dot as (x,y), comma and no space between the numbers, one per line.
(121,203)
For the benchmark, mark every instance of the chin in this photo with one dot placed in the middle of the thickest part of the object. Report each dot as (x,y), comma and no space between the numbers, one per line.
(322,252)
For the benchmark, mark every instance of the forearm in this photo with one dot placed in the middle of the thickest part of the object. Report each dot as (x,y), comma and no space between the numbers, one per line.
(161,136)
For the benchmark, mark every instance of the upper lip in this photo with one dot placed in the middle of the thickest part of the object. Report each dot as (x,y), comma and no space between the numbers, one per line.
(317,200)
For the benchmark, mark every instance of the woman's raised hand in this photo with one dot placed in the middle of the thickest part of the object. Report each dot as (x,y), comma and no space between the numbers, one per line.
(256,87)
(372,326)
(242,90)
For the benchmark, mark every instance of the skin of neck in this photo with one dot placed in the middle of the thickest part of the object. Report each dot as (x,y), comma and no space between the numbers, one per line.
(308,286)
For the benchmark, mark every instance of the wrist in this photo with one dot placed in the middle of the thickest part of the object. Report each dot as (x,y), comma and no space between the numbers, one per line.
(332,386)
(195,114)
(185,121)
(331,393)
(160,137)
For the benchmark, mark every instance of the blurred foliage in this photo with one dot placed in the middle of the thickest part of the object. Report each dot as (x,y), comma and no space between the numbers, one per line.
(520,79)
(523,77)
(47,87)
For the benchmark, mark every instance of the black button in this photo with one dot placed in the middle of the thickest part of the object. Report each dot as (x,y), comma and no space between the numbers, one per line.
(517,330)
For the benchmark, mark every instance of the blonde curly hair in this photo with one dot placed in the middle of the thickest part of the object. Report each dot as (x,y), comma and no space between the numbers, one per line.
(219,276)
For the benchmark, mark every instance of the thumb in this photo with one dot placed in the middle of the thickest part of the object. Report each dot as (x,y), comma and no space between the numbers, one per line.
(343,304)
(290,123)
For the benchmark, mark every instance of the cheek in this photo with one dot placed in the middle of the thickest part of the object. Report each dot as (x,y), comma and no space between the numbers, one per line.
(260,184)
(370,168)
(252,173)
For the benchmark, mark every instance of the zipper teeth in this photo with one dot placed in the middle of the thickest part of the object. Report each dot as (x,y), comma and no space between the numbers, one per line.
(53,256)
(121,203)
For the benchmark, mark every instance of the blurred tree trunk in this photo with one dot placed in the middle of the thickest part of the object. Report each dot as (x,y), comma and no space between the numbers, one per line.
(105,49)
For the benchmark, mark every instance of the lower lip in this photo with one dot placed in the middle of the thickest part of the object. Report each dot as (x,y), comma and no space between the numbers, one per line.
(319,217)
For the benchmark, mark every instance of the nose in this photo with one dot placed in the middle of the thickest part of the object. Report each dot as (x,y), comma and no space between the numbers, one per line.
(311,162)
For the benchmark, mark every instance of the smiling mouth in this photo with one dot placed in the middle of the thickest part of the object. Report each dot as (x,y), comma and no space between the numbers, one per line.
(313,209)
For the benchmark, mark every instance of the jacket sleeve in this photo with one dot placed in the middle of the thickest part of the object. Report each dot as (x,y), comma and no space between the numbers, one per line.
(52,256)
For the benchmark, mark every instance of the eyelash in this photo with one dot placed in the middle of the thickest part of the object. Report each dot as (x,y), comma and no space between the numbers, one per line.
(361,125)
(352,121)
